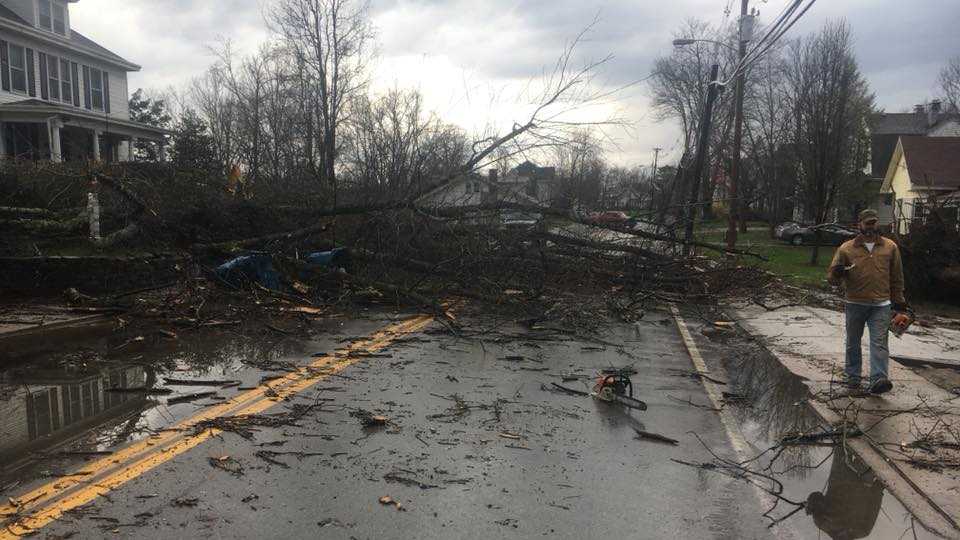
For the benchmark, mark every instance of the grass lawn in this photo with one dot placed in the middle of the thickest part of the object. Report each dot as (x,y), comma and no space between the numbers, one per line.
(789,262)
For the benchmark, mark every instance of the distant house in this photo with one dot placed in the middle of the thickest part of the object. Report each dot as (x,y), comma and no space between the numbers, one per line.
(62,95)
(922,170)
(465,190)
(886,129)
(526,184)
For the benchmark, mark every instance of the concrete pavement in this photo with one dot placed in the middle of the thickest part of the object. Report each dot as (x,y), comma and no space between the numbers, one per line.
(911,432)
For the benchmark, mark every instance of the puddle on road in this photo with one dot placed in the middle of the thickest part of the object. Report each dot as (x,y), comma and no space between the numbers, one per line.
(844,500)
(93,394)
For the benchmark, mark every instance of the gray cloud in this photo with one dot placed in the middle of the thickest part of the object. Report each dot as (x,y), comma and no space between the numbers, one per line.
(900,45)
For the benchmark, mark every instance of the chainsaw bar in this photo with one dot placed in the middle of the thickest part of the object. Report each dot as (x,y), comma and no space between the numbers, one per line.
(626,401)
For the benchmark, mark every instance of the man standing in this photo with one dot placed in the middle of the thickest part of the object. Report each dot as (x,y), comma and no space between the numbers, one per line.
(871,272)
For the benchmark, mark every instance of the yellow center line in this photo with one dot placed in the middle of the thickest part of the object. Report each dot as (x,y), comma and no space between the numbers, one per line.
(48,502)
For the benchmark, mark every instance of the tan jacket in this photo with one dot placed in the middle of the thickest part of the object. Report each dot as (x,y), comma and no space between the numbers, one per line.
(876,277)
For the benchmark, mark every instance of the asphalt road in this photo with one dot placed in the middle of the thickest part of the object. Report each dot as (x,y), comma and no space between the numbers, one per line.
(475,443)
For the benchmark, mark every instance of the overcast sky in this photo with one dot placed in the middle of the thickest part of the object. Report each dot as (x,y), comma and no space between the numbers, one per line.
(465,55)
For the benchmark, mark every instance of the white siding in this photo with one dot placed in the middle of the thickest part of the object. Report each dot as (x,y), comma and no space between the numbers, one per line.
(14,430)
(119,95)
(456,194)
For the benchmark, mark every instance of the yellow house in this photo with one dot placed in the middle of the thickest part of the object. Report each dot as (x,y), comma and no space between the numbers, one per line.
(922,170)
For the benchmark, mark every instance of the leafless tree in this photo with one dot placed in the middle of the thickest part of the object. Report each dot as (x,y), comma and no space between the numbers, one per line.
(392,146)
(830,102)
(679,91)
(331,41)
(580,171)
(768,130)
(950,82)
(218,109)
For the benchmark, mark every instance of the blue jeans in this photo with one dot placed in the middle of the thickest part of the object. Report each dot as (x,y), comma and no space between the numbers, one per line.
(877,318)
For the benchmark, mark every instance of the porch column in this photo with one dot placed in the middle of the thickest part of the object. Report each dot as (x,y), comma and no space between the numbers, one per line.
(131,148)
(56,154)
(3,140)
(96,145)
(162,152)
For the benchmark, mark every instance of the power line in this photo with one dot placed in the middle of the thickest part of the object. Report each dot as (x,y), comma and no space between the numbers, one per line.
(776,31)
(776,37)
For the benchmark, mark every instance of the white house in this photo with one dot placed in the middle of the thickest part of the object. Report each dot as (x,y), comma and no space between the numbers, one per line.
(922,170)
(62,96)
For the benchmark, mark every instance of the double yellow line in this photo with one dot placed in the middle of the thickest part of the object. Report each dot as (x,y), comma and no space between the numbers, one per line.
(48,502)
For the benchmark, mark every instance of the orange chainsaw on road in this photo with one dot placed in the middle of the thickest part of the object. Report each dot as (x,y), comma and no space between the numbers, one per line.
(614,386)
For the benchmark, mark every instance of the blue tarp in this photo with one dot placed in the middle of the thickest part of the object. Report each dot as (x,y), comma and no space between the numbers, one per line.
(258,267)
(327,258)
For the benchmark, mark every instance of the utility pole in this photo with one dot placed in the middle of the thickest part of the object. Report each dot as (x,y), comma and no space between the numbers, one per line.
(656,160)
(690,213)
(735,168)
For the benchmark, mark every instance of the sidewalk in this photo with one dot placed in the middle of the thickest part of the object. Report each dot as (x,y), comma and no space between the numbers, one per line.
(911,434)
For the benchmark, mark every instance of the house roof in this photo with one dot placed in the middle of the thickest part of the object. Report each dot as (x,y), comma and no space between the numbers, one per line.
(914,123)
(898,124)
(75,38)
(8,13)
(79,39)
(933,162)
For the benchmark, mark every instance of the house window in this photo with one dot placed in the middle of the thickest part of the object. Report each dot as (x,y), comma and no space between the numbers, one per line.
(46,17)
(96,88)
(53,16)
(59,19)
(53,68)
(18,68)
(66,82)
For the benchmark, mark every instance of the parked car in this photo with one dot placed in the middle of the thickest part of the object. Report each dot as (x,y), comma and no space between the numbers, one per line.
(830,234)
(613,218)
(608,217)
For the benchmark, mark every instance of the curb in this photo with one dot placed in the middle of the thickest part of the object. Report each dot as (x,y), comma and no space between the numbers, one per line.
(896,481)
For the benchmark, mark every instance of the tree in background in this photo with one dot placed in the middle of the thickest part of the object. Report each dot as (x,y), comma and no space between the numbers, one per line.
(392,146)
(152,111)
(331,40)
(678,89)
(193,146)
(950,82)
(830,103)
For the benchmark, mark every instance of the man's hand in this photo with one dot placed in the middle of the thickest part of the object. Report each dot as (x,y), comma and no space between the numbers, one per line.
(842,271)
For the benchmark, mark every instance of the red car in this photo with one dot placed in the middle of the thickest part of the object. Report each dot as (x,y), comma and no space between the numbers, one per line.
(608,217)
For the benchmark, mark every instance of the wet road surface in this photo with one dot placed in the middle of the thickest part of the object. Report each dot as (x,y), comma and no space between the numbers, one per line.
(474,444)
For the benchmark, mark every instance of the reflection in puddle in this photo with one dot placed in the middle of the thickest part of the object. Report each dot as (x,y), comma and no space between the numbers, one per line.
(46,408)
(850,504)
(92,394)
(844,500)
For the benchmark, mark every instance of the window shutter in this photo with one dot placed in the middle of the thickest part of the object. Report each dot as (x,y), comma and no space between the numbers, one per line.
(86,88)
(5,66)
(31,75)
(44,79)
(75,70)
(106,92)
